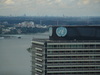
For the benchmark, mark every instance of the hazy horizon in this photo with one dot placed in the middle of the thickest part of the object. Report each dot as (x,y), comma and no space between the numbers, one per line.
(50,8)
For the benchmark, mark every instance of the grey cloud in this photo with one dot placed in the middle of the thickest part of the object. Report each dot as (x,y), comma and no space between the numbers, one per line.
(33,7)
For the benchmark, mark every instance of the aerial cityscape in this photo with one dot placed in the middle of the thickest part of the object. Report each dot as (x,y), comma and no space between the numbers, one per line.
(22,25)
(49,37)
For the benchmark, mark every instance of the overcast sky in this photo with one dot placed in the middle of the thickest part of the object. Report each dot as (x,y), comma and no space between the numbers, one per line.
(50,7)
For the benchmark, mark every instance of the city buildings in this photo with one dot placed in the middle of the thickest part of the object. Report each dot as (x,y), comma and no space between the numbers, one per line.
(70,50)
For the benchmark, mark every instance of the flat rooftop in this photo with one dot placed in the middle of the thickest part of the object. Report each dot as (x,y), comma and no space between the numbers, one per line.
(64,41)
(75,26)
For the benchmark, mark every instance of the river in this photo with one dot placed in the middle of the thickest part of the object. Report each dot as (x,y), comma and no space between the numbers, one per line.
(14,58)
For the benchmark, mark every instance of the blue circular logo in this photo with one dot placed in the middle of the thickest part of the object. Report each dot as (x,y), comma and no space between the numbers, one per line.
(61,31)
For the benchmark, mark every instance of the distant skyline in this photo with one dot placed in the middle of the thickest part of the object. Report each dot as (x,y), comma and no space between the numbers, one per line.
(50,7)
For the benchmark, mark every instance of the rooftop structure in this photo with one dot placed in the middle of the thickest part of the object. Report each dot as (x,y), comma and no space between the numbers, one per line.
(76,32)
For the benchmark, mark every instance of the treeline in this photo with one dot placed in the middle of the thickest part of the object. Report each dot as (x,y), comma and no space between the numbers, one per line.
(31,30)
(24,30)
(54,20)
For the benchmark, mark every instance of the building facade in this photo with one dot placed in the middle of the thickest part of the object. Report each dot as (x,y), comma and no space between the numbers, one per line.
(65,53)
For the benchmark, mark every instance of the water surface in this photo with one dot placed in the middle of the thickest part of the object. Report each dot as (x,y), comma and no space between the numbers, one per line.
(14,58)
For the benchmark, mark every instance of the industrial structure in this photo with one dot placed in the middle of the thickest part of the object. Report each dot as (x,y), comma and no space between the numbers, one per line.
(70,50)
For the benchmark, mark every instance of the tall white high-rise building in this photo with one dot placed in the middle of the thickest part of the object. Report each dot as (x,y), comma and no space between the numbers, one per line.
(70,50)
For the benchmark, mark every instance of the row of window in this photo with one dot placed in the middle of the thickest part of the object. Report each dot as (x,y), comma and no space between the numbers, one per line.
(73,57)
(37,73)
(38,67)
(74,68)
(72,62)
(53,64)
(76,73)
(40,57)
(73,46)
(98,67)
(75,52)
(78,69)
(38,51)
